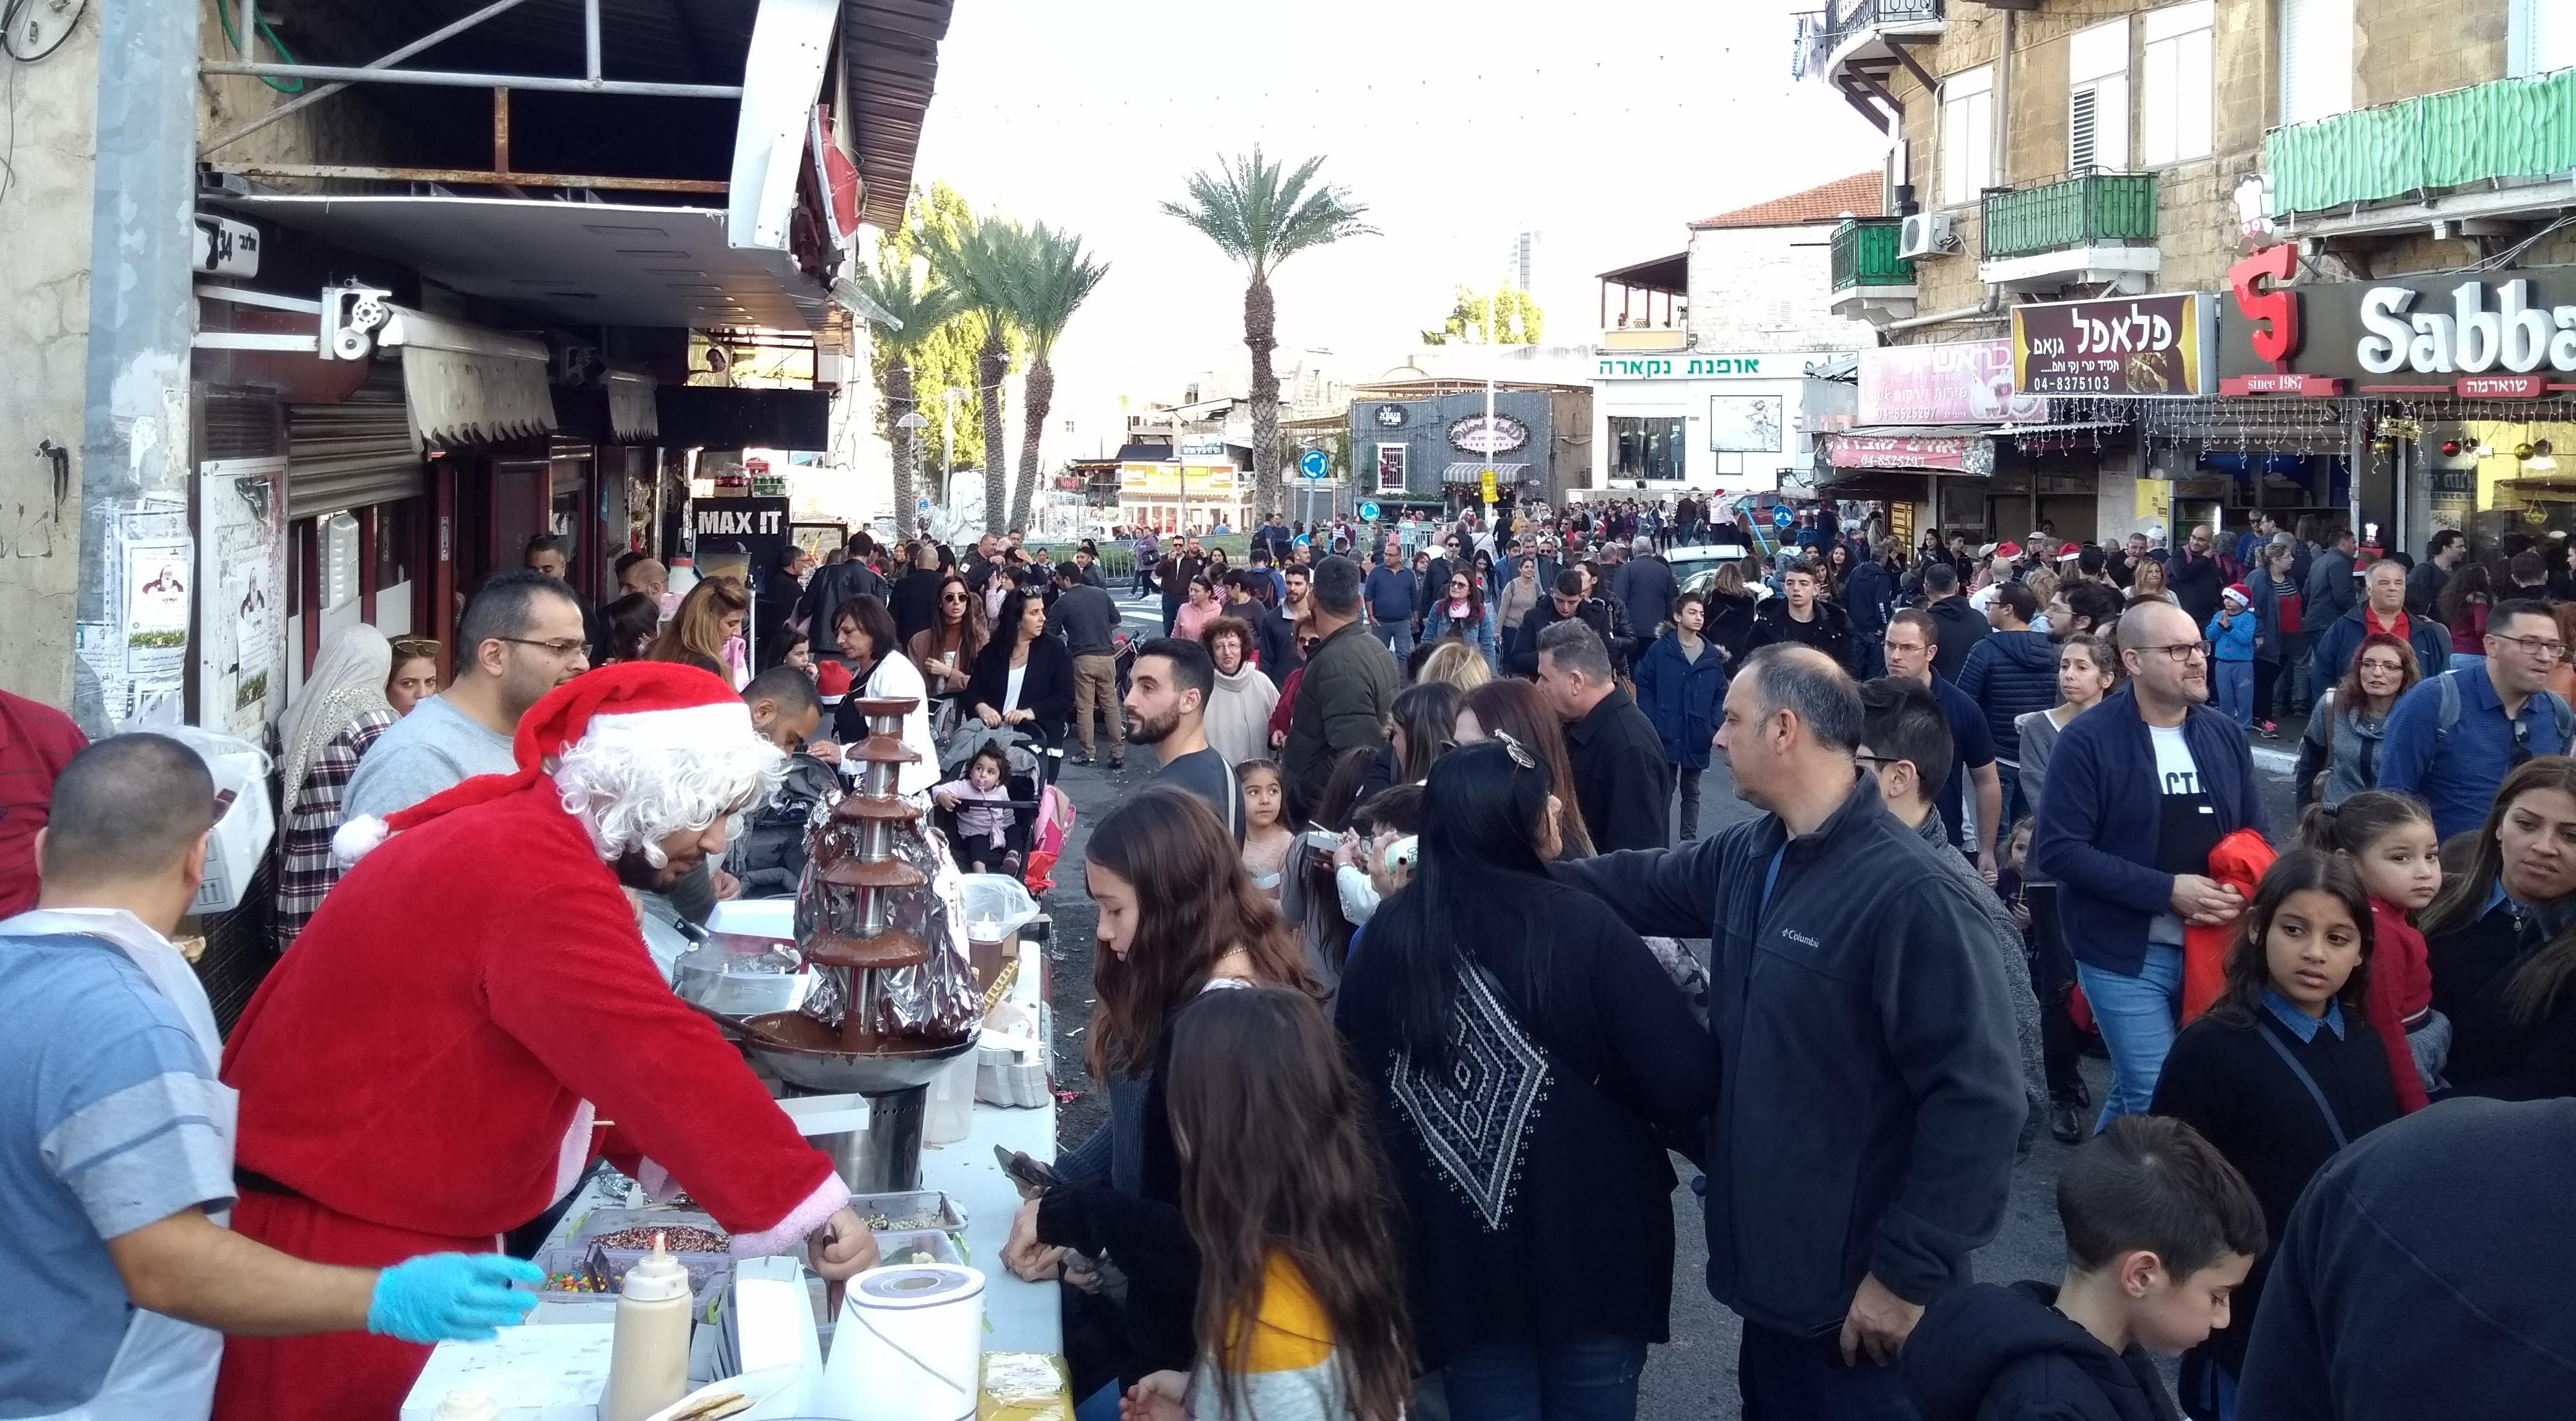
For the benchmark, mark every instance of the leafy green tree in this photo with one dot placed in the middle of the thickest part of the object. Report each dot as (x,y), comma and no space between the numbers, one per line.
(1057,278)
(1510,316)
(945,359)
(1261,213)
(924,307)
(987,261)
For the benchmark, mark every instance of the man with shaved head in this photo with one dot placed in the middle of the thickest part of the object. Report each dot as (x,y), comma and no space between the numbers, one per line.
(2140,789)
(1872,1084)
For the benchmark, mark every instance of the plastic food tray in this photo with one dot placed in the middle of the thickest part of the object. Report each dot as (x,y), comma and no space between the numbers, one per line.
(900,1246)
(705,1269)
(909,1210)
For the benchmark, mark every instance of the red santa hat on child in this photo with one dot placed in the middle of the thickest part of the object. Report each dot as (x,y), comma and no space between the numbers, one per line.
(674,740)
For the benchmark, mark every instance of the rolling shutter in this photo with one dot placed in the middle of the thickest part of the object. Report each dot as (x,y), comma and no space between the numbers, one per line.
(355,453)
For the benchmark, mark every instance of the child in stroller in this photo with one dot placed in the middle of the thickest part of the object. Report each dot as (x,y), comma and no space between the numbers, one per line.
(988,807)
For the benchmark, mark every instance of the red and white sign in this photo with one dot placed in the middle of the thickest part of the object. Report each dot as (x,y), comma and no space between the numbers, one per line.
(2281,383)
(2501,387)
(1963,382)
(837,174)
(1966,453)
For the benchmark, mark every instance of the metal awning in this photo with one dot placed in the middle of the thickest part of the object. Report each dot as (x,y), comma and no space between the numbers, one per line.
(1469,471)
(468,385)
(632,415)
(584,263)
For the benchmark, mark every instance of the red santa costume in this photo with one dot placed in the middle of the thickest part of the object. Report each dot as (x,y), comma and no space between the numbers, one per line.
(423,1072)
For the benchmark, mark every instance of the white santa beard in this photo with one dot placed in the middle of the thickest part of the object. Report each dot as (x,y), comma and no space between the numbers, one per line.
(630,785)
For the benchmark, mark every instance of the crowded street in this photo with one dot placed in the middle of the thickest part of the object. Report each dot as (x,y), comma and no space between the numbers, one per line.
(965,710)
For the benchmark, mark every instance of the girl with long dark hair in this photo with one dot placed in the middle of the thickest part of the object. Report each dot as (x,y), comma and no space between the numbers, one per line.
(946,649)
(1177,914)
(1023,676)
(1525,1050)
(2285,1071)
(2501,940)
(1511,706)
(863,630)
(1300,1289)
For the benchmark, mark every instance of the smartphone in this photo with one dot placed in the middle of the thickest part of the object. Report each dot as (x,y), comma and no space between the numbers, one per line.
(1023,1170)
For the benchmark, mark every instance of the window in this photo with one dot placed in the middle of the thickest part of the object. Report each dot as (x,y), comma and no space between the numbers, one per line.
(1390,468)
(2540,37)
(2316,59)
(1967,134)
(1646,447)
(2174,99)
(2097,98)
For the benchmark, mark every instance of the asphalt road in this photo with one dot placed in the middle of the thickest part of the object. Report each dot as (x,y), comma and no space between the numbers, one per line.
(1692,1378)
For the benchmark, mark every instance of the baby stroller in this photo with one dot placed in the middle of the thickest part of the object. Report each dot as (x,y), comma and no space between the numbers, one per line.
(1024,783)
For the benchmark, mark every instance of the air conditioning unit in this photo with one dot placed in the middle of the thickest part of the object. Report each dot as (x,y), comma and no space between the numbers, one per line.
(1926,234)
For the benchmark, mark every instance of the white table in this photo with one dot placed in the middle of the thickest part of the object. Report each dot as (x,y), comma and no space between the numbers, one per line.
(1023,1317)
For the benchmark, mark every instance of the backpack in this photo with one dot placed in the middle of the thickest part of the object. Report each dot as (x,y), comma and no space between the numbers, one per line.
(2448,715)
(770,855)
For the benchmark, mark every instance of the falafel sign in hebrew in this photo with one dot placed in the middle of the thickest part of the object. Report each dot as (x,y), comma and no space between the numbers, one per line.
(2134,347)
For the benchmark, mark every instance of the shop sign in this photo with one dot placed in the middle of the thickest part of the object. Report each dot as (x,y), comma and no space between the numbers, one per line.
(1481,434)
(1391,416)
(1963,453)
(1203,449)
(1697,367)
(2143,347)
(1162,479)
(1962,382)
(2505,335)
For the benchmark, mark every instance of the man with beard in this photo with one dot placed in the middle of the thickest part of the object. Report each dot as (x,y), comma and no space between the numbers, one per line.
(521,636)
(424,1071)
(1167,696)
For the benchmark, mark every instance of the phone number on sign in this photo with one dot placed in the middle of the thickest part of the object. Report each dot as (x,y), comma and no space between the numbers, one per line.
(2070,384)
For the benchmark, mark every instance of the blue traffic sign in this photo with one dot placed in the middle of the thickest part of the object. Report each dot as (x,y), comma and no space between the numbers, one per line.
(1781,517)
(1368,512)
(1314,465)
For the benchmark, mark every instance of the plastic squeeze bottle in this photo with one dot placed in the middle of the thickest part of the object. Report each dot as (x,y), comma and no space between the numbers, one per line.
(648,1358)
(466,1404)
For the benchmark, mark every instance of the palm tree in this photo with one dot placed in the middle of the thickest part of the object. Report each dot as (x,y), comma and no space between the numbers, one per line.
(985,263)
(1059,277)
(1261,214)
(921,306)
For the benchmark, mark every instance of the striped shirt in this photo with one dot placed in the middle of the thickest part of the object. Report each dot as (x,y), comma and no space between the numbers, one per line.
(1291,1373)
(305,868)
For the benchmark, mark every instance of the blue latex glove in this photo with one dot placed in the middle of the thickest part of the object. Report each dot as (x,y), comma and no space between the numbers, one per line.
(452,1297)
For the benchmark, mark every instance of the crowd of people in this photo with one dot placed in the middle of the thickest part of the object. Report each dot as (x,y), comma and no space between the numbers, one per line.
(1399,1015)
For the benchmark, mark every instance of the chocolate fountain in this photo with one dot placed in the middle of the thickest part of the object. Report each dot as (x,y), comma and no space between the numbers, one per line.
(894,998)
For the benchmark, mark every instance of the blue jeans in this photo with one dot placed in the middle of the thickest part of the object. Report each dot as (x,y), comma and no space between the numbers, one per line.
(1587,1379)
(2236,691)
(1397,637)
(2136,1015)
(1785,1377)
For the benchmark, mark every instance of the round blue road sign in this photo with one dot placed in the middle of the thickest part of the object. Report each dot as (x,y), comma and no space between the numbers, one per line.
(1314,465)
(1368,512)
(1781,517)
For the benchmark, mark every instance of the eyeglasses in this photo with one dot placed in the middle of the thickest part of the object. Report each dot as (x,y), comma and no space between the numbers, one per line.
(2541,647)
(2182,651)
(954,599)
(1512,746)
(409,646)
(557,647)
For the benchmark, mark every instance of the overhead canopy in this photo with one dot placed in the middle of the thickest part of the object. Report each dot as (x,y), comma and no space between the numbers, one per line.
(584,263)
(1468,471)
(632,414)
(1669,275)
(468,385)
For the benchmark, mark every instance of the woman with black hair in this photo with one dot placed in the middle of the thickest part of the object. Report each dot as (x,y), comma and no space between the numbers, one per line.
(2501,940)
(1527,1055)
(1023,677)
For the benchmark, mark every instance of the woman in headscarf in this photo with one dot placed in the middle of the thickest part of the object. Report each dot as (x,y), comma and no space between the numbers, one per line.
(339,713)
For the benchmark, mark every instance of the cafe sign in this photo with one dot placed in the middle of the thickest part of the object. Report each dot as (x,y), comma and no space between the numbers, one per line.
(1962,382)
(1961,453)
(2137,347)
(2505,335)
(1488,434)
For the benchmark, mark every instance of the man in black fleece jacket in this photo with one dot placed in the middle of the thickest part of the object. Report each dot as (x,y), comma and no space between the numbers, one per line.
(2010,674)
(1871,1084)
(2424,1273)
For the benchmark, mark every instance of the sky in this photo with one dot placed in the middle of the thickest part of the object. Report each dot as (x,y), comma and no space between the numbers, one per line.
(1606,127)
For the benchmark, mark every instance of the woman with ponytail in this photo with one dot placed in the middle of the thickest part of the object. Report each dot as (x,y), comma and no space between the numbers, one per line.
(2501,940)
(2388,839)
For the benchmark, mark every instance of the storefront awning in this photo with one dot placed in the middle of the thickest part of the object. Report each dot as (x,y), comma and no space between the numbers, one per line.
(468,385)
(1469,471)
(584,263)
(632,415)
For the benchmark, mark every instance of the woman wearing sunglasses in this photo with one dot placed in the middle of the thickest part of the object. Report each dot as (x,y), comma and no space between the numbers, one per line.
(946,649)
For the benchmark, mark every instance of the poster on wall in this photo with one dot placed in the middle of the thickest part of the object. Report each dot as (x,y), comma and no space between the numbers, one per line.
(159,575)
(1744,424)
(241,575)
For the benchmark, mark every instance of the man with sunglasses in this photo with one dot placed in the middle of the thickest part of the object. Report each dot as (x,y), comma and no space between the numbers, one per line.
(521,636)
(2451,741)
(2140,789)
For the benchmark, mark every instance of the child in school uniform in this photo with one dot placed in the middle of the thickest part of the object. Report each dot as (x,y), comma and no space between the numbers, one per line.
(2160,1230)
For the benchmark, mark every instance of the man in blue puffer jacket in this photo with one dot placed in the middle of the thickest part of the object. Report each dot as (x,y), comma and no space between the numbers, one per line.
(1869,594)
(1681,680)
(2011,673)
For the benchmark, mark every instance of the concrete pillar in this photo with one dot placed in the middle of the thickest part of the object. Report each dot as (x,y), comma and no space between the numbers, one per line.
(135,430)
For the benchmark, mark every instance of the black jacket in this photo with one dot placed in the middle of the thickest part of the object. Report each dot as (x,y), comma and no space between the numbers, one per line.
(1988,1353)
(2009,675)
(1829,631)
(1046,685)
(1962,627)
(915,602)
(1586,1242)
(1645,583)
(2424,1274)
(1621,778)
(831,585)
(1274,634)
(1870,1084)
(1342,704)
(2332,590)
(1870,595)
(2495,1050)
(1607,618)
(2194,581)
(1730,625)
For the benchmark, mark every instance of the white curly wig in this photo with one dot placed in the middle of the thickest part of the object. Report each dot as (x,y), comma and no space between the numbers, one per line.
(630,785)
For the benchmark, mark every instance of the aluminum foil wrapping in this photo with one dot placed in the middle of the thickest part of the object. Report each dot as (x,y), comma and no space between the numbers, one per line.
(936,999)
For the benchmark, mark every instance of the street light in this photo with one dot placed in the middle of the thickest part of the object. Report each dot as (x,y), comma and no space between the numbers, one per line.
(915,421)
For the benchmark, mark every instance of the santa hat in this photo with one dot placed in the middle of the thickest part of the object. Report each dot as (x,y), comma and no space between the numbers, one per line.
(657,707)
(831,681)
(2237,591)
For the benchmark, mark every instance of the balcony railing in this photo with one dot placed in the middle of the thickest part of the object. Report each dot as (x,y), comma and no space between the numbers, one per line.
(1821,32)
(2511,128)
(1865,254)
(2080,212)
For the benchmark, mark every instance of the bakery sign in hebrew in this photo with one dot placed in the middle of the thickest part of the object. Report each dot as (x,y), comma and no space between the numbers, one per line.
(2130,347)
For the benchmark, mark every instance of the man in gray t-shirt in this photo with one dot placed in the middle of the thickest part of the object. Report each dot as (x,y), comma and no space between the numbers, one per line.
(520,637)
